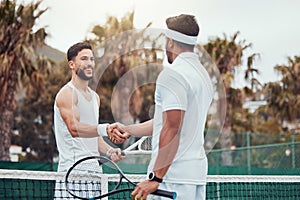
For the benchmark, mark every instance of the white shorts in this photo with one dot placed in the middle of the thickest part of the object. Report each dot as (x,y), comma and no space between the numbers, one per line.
(184,191)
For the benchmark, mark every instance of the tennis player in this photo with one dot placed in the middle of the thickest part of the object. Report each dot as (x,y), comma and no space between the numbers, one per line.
(76,113)
(183,96)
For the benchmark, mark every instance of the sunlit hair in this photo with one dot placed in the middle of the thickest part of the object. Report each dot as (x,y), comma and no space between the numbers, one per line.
(76,48)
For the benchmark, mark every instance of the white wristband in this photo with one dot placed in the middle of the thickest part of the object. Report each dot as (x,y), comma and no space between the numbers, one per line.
(108,153)
(101,129)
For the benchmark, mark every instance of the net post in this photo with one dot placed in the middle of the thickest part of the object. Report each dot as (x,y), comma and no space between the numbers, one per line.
(104,185)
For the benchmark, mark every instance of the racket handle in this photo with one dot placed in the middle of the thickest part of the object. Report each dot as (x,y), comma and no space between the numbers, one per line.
(164,193)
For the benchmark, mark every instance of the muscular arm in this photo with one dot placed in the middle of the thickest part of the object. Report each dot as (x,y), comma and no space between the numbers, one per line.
(66,101)
(168,146)
(168,141)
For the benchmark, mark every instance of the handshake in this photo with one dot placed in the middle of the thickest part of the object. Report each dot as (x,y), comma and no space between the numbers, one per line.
(117,132)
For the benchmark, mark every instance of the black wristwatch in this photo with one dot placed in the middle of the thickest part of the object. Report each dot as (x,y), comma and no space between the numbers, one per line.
(152,177)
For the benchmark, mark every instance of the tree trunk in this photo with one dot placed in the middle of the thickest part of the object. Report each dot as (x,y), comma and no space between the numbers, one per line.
(6,121)
(7,110)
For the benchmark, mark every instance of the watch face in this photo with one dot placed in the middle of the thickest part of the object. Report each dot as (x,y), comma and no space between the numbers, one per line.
(151,175)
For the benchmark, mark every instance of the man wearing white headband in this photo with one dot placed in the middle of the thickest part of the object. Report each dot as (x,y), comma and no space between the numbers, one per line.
(183,96)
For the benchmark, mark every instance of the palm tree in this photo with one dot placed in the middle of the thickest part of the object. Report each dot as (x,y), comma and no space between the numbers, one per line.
(283,97)
(17,58)
(227,54)
(117,72)
(249,75)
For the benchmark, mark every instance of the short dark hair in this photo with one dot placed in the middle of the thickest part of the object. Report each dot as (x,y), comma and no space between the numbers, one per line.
(76,48)
(183,23)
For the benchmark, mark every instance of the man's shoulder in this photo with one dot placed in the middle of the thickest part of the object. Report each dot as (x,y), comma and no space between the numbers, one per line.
(169,70)
(66,93)
(170,74)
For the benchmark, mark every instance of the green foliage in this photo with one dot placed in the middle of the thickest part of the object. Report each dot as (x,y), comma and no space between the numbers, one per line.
(124,50)
(283,97)
(35,79)
(34,117)
(18,61)
(227,53)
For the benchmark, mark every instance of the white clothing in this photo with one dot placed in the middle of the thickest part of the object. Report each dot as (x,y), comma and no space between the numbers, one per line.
(185,85)
(184,191)
(72,149)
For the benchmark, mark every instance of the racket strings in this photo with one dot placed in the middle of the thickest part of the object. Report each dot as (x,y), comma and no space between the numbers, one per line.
(146,144)
(84,180)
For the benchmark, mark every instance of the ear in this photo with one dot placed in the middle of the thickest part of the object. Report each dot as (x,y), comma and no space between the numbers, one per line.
(170,43)
(71,64)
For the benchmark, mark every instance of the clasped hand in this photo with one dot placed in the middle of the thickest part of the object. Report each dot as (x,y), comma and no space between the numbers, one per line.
(116,133)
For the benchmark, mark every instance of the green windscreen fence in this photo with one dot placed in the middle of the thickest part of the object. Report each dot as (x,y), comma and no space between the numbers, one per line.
(142,169)
(257,172)
(37,166)
(269,159)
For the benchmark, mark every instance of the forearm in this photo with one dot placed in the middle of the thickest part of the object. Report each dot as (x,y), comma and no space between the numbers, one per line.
(168,146)
(142,129)
(103,147)
(87,131)
(114,154)
(168,141)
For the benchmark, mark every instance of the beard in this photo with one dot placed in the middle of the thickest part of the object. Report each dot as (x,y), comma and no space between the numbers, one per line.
(80,73)
(169,57)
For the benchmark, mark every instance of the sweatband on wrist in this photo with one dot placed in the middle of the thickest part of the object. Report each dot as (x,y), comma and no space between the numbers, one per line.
(180,37)
(109,152)
(101,129)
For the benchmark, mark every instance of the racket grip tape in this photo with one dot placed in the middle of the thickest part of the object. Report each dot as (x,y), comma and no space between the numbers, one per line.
(164,193)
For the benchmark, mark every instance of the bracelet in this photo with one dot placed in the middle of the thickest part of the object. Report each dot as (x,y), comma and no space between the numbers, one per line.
(108,153)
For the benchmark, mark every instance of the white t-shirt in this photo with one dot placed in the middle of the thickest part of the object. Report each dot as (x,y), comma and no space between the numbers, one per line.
(185,85)
(72,149)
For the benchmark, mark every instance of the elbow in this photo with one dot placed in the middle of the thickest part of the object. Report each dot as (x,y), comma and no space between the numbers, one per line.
(174,128)
(173,120)
(73,130)
(175,131)
(73,133)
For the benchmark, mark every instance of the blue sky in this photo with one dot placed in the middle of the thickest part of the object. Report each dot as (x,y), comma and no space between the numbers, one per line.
(272,26)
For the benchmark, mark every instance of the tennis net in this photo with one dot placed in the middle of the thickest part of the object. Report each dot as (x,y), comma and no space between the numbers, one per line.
(22,184)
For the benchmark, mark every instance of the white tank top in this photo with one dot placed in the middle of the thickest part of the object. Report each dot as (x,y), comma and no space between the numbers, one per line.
(72,149)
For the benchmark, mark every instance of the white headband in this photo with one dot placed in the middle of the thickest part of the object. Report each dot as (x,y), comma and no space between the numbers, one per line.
(180,37)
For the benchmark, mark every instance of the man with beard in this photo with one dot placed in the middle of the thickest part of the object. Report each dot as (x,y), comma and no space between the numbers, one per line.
(76,113)
(183,96)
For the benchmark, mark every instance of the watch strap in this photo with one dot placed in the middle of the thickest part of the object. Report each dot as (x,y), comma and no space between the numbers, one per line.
(152,177)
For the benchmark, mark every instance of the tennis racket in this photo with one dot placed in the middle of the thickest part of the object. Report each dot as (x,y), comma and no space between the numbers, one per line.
(142,146)
(83,179)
